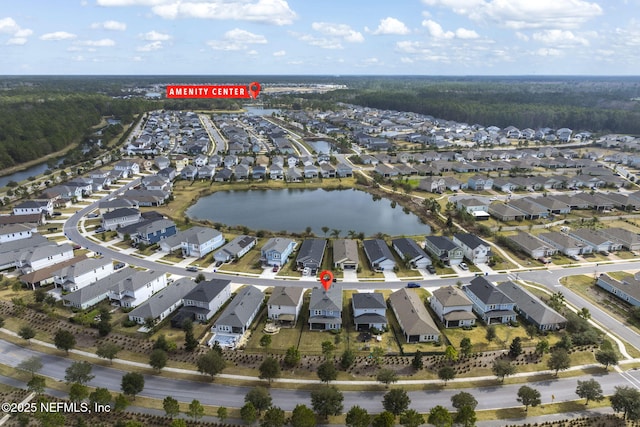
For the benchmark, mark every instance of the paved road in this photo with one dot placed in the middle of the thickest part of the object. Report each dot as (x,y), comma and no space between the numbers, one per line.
(210,393)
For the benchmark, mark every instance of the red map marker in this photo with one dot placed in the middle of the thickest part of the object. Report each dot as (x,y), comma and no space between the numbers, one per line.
(326,277)
(254,89)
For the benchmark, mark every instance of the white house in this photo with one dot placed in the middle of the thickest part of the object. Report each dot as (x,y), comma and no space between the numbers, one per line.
(452,307)
(120,218)
(43,256)
(78,275)
(236,319)
(163,303)
(12,232)
(136,289)
(203,301)
(235,249)
(33,207)
(476,250)
(284,304)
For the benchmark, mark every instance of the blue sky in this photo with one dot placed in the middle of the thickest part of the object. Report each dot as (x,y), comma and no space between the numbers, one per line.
(254,37)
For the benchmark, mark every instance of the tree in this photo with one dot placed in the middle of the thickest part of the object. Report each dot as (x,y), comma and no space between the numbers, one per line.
(327,349)
(104,325)
(302,416)
(190,341)
(386,377)
(259,398)
(515,349)
(265,341)
(491,333)
(273,417)
(528,396)
(411,418)
(107,350)
(120,403)
(502,368)
(450,353)
(158,359)
(78,392)
(26,333)
(347,359)
(132,383)
(607,357)
(357,417)
(462,399)
(626,399)
(327,372)
(542,347)
(326,400)
(248,413)
(292,357)
(439,416)
(211,363)
(324,229)
(78,372)
(171,407)
(269,369)
(100,396)
(36,384)
(64,340)
(466,348)
(200,278)
(584,313)
(446,373)
(589,390)
(396,401)
(377,354)
(559,360)
(31,365)
(195,410)
(466,416)
(416,362)
(532,331)
(383,419)
(222,413)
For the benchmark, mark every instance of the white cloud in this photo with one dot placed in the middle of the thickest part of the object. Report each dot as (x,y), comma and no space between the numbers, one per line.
(320,42)
(391,25)
(522,36)
(559,38)
(154,36)
(58,35)
(17,41)
(8,26)
(463,33)
(275,12)
(98,43)
(436,31)
(237,39)
(18,35)
(109,25)
(521,14)
(548,52)
(150,47)
(280,53)
(130,2)
(342,31)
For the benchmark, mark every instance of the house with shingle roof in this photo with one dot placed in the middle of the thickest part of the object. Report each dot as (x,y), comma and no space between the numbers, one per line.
(164,302)
(239,314)
(203,301)
(629,239)
(325,308)
(235,249)
(566,244)
(411,253)
(310,255)
(82,273)
(284,304)
(532,308)
(118,218)
(276,251)
(476,250)
(413,317)
(597,241)
(369,311)
(489,303)
(345,254)
(444,249)
(379,256)
(136,289)
(627,290)
(531,245)
(453,307)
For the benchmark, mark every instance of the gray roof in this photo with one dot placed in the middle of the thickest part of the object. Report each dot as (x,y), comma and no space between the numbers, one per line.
(528,241)
(100,287)
(311,251)
(470,240)
(207,290)
(561,240)
(194,235)
(368,300)
(41,252)
(115,204)
(137,281)
(345,250)
(526,302)
(622,235)
(278,244)
(412,314)
(154,226)
(502,210)
(241,307)
(81,267)
(119,213)
(377,249)
(590,236)
(286,295)
(487,292)
(409,248)
(326,300)
(15,228)
(441,242)
(36,239)
(450,296)
(161,301)
(629,285)
(236,245)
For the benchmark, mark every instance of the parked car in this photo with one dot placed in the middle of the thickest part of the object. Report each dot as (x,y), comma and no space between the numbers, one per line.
(192,268)
(464,266)
(413,285)
(76,247)
(56,214)
(92,215)
(275,269)
(100,230)
(431,269)
(119,265)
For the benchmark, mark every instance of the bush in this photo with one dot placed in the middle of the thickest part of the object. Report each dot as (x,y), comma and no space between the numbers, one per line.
(127,323)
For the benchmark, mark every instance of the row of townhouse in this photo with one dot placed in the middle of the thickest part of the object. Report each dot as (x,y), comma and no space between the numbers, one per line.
(259,172)
(28,251)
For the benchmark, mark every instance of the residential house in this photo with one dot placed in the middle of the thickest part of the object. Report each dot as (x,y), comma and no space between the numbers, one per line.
(479,183)
(434,184)
(310,171)
(223,175)
(36,258)
(344,171)
(379,256)
(310,255)
(28,207)
(444,249)
(10,252)
(413,317)
(476,250)
(597,241)
(629,240)
(477,208)
(276,251)
(529,208)
(505,212)
(628,289)
(199,241)
(412,254)
(532,246)
(117,218)
(325,309)
(453,307)
(45,276)
(235,249)
(369,311)
(203,301)
(345,254)
(276,172)
(163,303)
(12,232)
(284,304)
(151,231)
(92,294)
(82,273)
(136,289)
(565,244)
(241,172)
(532,309)
(237,317)
(552,205)
(489,303)
(129,167)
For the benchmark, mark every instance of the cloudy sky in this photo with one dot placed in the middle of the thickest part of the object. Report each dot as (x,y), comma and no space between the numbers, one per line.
(253,37)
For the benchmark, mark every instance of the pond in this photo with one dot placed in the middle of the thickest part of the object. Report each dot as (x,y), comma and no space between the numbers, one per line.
(293,210)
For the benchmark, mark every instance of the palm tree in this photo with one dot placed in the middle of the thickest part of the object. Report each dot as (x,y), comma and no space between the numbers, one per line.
(335,233)
(352,234)
(325,230)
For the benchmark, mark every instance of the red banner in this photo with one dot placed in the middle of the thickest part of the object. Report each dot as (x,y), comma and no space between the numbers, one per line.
(213,91)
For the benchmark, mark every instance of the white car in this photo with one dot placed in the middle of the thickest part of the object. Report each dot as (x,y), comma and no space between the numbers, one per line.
(463,266)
